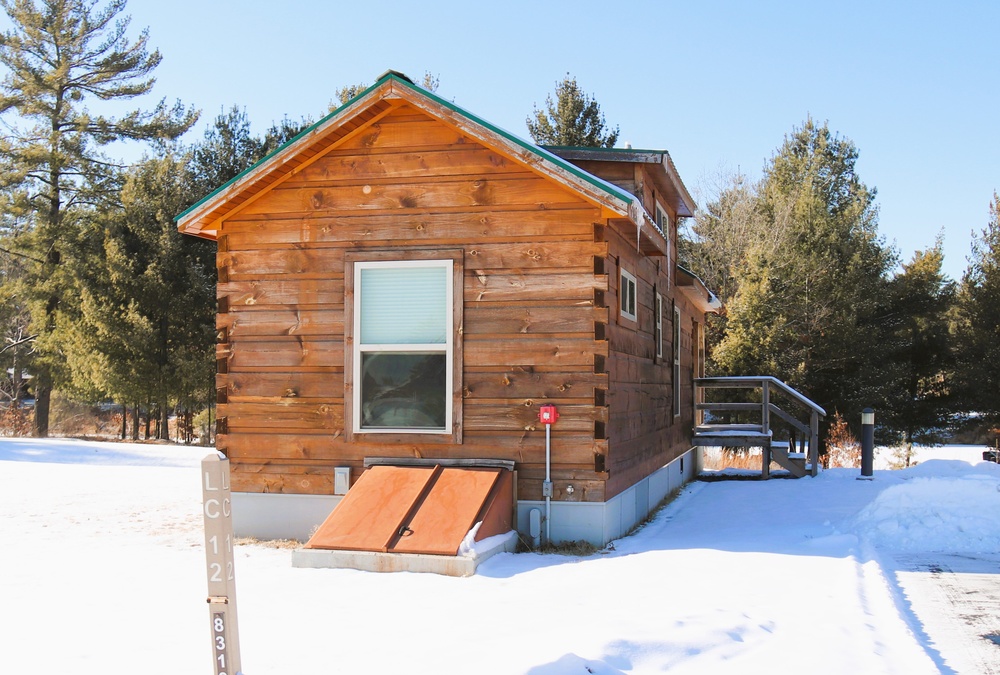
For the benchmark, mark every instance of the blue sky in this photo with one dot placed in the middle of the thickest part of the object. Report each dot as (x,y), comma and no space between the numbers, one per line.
(718,84)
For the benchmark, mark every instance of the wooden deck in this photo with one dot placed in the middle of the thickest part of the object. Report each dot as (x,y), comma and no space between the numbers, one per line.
(796,455)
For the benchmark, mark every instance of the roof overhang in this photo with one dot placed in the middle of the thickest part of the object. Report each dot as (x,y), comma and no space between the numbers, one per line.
(680,199)
(392,90)
(695,290)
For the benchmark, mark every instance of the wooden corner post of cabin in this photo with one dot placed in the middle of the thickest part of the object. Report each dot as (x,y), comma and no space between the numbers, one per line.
(218,516)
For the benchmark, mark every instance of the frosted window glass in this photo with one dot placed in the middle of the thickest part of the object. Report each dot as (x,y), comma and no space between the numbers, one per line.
(404,305)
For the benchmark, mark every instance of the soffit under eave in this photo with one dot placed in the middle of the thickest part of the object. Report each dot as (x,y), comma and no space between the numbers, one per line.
(684,197)
(698,298)
(670,191)
(695,290)
(648,239)
(666,177)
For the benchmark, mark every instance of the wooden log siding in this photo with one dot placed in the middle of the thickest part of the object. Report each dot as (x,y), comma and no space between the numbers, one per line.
(248,322)
(541,319)
(642,430)
(531,309)
(531,223)
(520,446)
(418,195)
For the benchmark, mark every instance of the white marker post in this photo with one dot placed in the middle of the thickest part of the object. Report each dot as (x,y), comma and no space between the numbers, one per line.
(219,560)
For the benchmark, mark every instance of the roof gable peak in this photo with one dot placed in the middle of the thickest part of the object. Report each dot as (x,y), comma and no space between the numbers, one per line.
(391,90)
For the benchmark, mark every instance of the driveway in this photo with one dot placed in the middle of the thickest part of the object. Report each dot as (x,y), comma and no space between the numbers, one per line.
(955,601)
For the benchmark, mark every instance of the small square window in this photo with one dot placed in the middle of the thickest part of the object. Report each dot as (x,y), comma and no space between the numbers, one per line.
(627,292)
(663,221)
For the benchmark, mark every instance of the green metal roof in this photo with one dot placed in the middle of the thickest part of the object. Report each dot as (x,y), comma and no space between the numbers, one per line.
(591,148)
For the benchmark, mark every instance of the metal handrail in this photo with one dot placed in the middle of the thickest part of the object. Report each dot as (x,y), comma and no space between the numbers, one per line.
(754,381)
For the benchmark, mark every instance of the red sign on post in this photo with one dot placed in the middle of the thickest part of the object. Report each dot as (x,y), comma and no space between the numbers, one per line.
(548,414)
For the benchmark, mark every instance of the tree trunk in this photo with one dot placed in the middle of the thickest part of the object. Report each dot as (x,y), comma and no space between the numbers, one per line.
(124,421)
(149,415)
(164,422)
(43,379)
(135,422)
(43,394)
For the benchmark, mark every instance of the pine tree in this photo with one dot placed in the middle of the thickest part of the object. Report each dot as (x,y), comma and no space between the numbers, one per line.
(61,55)
(147,317)
(717,243)
(15,336)
(978,325)
(282,132)
(574,119)
(344,94)
(919,403)
(808,307)
(229,147)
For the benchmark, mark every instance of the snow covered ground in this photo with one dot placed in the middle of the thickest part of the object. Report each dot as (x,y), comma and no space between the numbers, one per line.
(102,571)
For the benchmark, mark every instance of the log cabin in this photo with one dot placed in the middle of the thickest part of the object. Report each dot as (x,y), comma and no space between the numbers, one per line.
(404,285)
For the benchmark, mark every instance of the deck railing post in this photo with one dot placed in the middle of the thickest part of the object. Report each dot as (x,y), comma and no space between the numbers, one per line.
(765,407)
(814,442)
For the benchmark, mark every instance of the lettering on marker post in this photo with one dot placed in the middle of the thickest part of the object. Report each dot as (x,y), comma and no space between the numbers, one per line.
(218,517)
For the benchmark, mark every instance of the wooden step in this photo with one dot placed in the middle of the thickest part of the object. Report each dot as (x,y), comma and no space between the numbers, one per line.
(731,436)
(727,428)
(793,462)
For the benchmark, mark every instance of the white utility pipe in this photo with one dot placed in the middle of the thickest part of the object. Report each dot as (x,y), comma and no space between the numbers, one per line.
(535,527)
(548,483)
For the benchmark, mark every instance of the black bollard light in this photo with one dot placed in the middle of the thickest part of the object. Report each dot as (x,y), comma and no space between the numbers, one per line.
(867,443)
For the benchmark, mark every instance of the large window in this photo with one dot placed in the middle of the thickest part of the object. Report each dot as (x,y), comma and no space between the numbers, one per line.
(403,346)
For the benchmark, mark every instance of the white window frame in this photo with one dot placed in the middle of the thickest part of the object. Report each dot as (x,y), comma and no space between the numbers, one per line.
(663,222)
(627,279)
(677,361)
(447,348)
(658,308)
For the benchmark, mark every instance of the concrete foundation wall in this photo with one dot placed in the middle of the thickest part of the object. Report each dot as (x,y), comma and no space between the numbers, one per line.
(281,516)
(600,523)
(277,516)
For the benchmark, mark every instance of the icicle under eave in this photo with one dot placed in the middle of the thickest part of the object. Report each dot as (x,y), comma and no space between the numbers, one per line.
(638,215)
